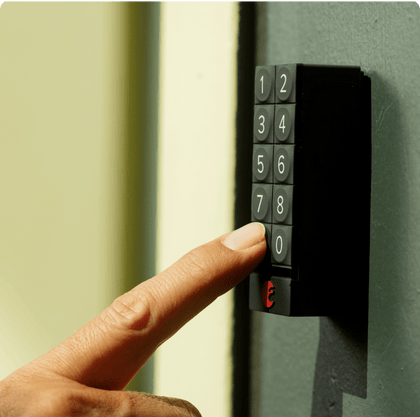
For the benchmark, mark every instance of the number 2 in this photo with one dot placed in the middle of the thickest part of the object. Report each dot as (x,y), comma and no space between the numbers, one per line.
(285,81)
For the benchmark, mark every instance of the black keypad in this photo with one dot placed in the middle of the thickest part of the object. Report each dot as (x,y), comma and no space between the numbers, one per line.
(305,116)
(273,153)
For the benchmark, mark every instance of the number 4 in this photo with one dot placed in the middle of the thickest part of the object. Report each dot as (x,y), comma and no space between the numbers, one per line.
(282,126)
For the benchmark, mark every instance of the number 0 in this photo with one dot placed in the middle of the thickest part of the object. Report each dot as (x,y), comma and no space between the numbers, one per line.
(277,244)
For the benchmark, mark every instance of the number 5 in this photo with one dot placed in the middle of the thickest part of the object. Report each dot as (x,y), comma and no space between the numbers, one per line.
(260,163)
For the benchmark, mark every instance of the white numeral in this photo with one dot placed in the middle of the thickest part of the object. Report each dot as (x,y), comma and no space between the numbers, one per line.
(277,244)
(260,163)
(260,196)
(280,165)
(285,80)
(280,204)
(262,84)
(262,124)
(282,126)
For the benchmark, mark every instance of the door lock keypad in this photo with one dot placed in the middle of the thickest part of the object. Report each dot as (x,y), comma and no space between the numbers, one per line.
(305,119)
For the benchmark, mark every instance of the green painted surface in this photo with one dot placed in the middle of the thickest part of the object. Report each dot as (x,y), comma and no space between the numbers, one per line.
(384,39)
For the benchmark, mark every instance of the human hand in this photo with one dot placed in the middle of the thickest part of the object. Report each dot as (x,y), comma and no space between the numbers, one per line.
(86,373)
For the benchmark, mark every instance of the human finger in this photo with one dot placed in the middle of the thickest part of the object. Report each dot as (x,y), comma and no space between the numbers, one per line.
(109,350)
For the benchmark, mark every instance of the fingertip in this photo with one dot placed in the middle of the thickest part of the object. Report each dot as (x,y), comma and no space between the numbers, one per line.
(245,237)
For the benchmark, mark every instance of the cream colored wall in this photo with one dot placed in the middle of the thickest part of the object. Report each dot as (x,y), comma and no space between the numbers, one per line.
(196,186)
(62,139)
(61,182)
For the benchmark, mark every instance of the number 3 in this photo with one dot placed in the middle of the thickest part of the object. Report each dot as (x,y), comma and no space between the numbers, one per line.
(262,124)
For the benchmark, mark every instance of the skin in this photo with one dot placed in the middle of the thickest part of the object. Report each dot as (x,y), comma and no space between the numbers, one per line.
(86,373)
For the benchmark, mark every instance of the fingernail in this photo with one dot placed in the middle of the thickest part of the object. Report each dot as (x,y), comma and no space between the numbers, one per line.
(246,236)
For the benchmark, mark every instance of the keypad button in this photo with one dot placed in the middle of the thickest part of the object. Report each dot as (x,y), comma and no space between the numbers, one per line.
(281,245)
(284,124)
(264,84)
(283,204)
(263,124)
(283,163)
(285,84)
(262,163)
(261,202)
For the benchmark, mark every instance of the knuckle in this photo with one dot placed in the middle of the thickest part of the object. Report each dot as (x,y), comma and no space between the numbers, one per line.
(127,310)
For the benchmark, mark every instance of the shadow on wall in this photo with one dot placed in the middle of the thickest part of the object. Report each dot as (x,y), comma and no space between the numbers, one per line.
(341,365)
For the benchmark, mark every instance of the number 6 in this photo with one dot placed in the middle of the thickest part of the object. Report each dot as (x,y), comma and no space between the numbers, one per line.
(281,165)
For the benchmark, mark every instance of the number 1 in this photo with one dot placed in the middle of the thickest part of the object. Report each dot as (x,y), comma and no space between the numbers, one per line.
(262,84)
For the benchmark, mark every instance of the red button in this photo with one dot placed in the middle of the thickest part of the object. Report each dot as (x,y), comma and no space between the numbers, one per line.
(267,290)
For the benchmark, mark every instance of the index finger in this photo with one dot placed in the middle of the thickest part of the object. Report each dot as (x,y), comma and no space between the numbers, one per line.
(109,350)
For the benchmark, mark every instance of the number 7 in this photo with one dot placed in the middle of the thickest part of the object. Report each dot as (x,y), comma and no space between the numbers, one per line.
(261,196)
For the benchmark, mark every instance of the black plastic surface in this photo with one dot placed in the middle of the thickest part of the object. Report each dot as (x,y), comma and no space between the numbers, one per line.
(317,189)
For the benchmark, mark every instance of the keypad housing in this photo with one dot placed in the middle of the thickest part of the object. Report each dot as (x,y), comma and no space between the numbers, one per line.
(305,177)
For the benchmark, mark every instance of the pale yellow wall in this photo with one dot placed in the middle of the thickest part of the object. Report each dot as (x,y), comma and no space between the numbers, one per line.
(62,142)
(61,182)
(196,186)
